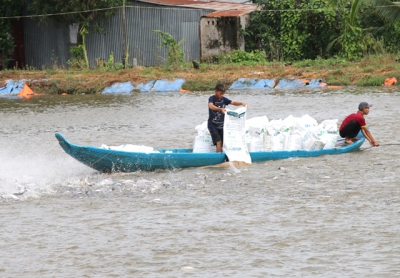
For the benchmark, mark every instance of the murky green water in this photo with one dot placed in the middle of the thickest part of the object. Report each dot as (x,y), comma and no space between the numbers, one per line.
(329,216)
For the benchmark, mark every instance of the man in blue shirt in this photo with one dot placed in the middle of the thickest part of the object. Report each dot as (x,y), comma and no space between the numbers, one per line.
(216,114)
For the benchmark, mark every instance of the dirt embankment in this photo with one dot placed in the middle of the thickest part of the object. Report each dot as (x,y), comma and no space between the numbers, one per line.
(93,81)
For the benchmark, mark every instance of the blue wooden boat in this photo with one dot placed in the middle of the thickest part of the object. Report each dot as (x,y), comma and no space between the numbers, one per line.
(109,161)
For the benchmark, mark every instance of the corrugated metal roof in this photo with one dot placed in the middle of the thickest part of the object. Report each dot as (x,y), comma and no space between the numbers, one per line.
(209,5)
(236,1)
(230,13)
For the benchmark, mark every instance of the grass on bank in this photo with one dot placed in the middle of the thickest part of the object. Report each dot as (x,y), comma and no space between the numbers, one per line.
(370,71)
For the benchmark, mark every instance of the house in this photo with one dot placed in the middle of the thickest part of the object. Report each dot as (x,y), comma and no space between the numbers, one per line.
(220,31)
(207,28)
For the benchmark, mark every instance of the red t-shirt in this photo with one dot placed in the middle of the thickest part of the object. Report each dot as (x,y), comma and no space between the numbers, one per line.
(358,116)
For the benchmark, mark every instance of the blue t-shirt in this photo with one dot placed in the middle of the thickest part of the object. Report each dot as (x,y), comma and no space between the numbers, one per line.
(216,118)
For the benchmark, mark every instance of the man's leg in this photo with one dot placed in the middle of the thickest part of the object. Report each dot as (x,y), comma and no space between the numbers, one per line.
(216,137)
(348,140)
(219,146)
(350,131)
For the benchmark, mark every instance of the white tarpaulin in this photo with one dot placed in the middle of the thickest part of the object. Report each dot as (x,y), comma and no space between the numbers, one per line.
(73,33)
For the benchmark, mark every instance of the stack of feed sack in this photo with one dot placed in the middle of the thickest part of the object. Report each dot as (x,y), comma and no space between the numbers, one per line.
(291,133)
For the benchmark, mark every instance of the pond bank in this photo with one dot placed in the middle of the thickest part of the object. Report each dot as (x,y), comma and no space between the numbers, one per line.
(371,71)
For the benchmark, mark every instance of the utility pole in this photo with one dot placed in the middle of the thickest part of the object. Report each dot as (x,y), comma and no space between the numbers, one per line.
(124,34)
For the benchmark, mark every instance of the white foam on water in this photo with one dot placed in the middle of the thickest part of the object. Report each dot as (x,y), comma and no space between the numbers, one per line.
(33,174)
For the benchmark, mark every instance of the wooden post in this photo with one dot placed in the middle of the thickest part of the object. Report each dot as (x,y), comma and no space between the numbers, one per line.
(123,35)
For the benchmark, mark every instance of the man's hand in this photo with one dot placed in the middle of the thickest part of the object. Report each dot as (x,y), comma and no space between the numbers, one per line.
(374,144)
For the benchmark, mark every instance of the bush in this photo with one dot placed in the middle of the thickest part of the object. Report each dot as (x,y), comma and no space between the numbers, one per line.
(78,60)
(238,57)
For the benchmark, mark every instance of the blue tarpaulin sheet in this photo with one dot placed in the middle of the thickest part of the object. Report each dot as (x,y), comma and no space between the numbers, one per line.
(145,87)
(168,86)
(12,87)
(252,83)
(155,86)
(299,83)
(124,88)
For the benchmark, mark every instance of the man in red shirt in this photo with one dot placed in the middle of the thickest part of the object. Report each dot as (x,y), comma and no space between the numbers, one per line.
(355,122)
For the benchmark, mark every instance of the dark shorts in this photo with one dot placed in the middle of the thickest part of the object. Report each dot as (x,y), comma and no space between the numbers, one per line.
(216,135)
(350,130)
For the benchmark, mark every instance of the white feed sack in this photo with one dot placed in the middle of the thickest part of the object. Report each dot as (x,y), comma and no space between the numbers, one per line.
(311,142)
(308,121)
(328,132)
(203,142)
(234,144)
(202,129)
(295,141)
(257,126)
(277,139)
(261,134)
(131,148)
(291,133)
(256,132)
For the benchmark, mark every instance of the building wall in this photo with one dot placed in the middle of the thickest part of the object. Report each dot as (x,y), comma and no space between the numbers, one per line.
(46,46)
(221,35)
(142,43)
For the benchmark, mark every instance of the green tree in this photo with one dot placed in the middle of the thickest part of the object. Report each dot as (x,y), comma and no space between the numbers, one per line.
(364,23)
(388,14)
(8,10)
(291,29)
(388,10)
(76,11)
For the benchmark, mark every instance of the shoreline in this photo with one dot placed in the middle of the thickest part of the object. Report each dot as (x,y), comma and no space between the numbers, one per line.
(371,71)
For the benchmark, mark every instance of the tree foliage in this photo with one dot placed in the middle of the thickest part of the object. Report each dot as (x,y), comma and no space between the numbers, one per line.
(387,14)
(8,8)
(73,11)
(302,29)
(366,24)
(291,29)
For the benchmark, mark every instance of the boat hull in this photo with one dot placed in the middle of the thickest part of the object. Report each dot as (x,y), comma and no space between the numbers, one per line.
(110,161)
(107,161)
(275,155)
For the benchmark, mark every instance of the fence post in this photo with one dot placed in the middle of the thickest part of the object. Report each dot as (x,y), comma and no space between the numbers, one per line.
(123,35)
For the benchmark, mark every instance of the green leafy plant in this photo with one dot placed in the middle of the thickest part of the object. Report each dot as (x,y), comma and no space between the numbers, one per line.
(175,57)
(78,57)
(110,63)
(238,57)
(371,80)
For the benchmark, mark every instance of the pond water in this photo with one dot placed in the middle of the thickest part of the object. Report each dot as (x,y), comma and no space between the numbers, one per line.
(329,216)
